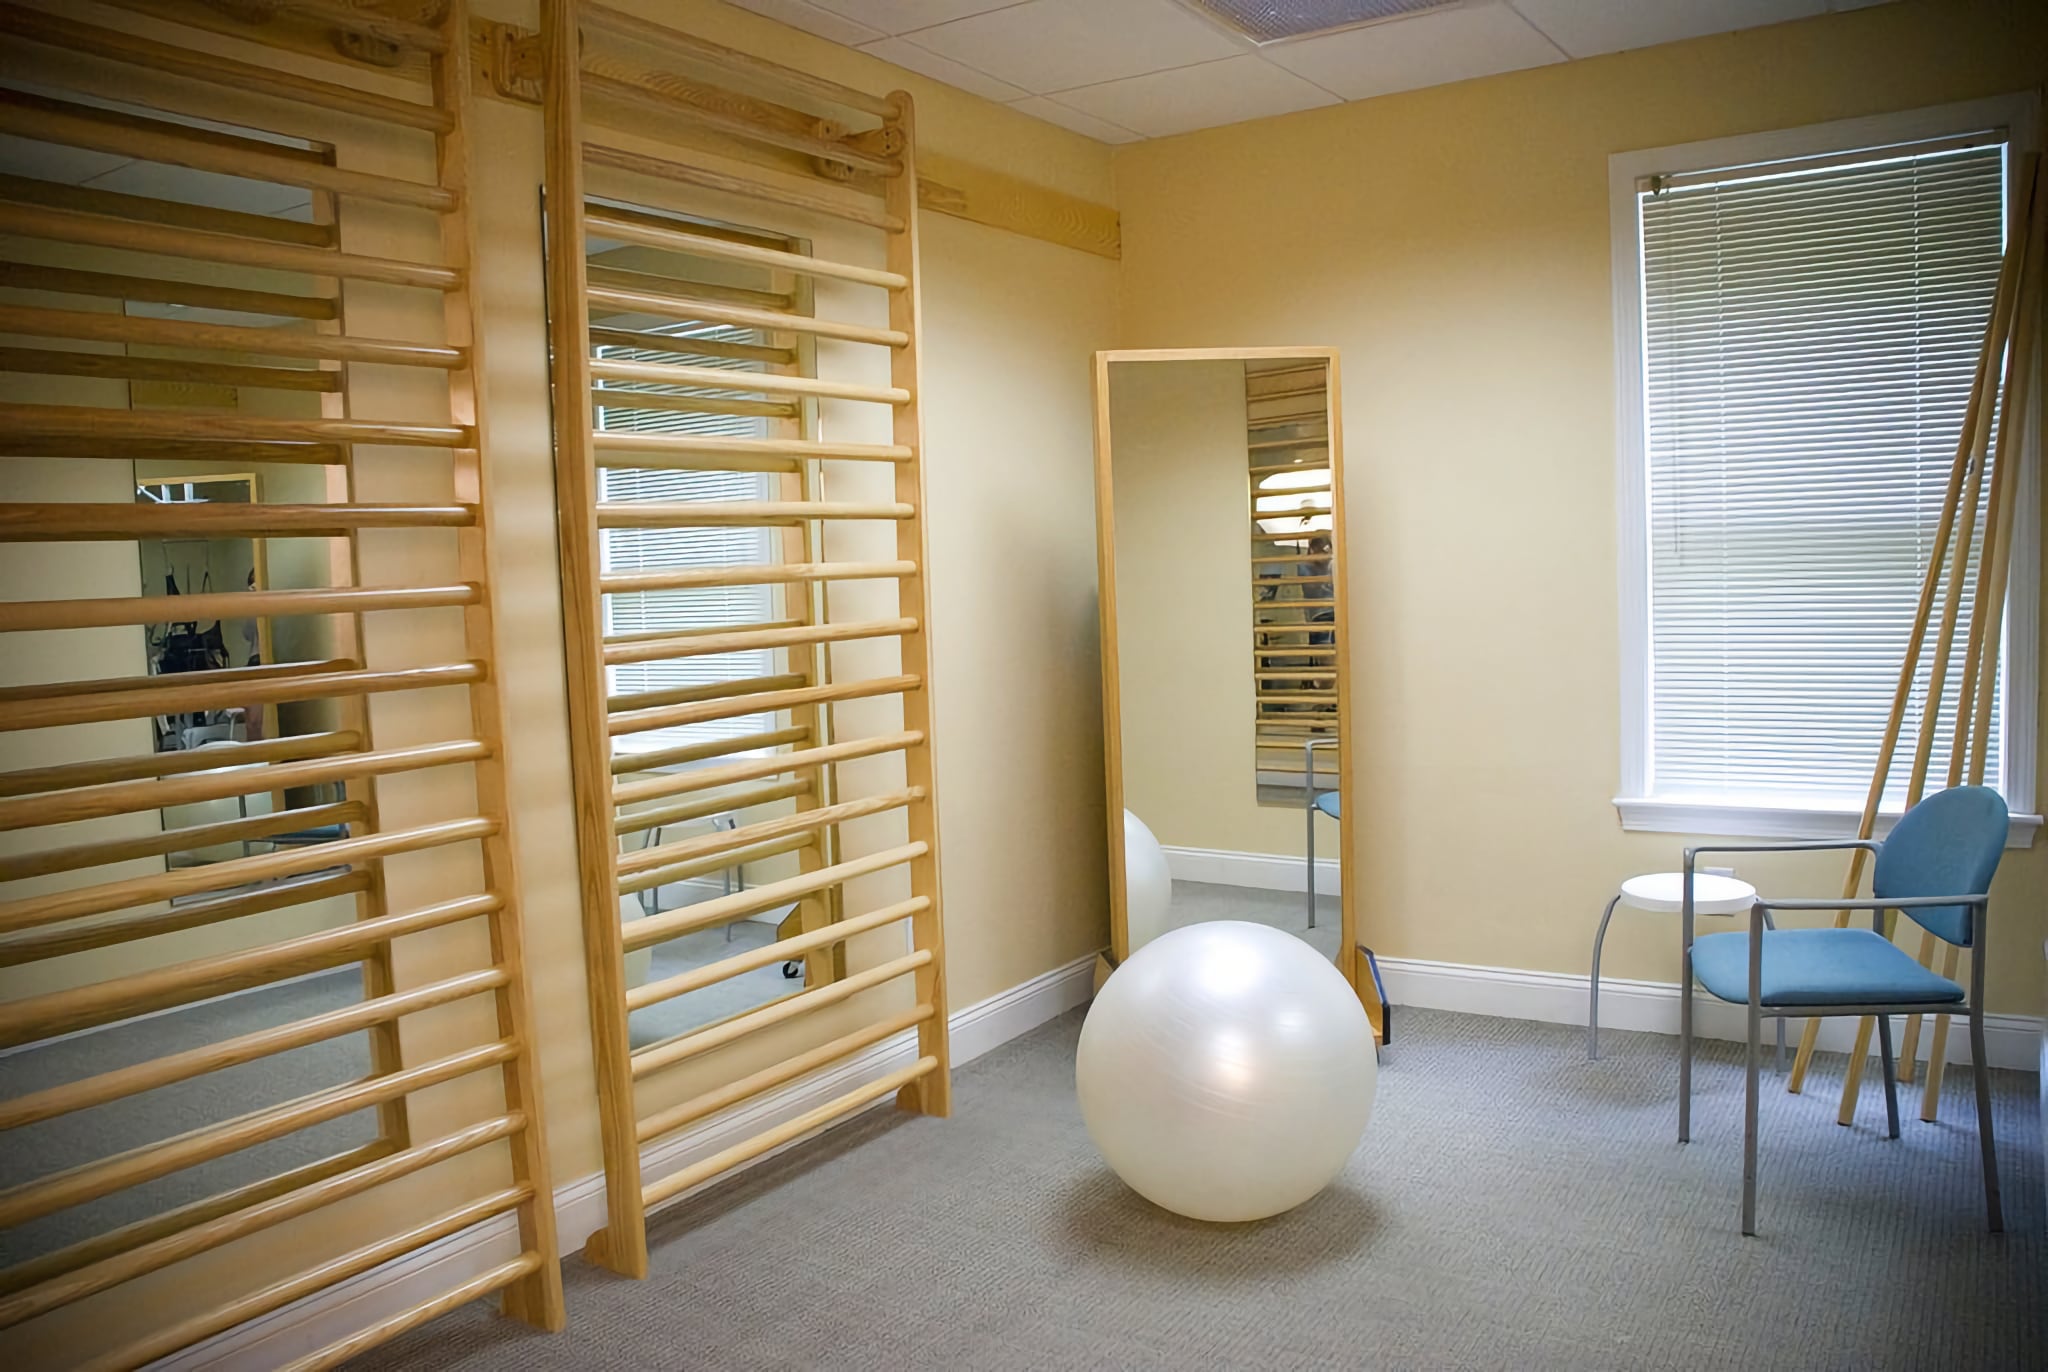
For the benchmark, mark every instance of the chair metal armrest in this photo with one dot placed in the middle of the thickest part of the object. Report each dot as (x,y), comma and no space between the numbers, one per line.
(1817,846)
(1869,903)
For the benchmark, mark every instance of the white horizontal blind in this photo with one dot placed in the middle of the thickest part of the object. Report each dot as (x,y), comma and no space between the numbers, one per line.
(634,550)
(1809,343)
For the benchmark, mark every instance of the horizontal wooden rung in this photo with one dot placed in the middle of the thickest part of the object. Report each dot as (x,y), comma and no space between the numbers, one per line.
(120,367)
(801,822)
(768,702)
(783,950)
(244,829)
(709,690)
(94,520)
(24,615)
(758,574)
(598,154)
(165,291)
(658,1056)
(701,245)
(767,383)
(642,818)
(95,327)
(689,869)
(706,778)
(743,641)
(198,914)
(616,22)
(30,780)
(146,209)
(638,514)
(645,933)
(91,421)
(710,312)
(623,761)
(629,398)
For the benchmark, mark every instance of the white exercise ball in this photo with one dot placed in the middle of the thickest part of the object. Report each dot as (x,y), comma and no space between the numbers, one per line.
(1226,1071)
(1148,884)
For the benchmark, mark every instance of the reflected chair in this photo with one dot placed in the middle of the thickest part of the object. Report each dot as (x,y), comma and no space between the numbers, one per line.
(1326,802)
(1936,868)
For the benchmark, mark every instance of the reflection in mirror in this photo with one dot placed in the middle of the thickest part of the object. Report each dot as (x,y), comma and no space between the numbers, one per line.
(667,586)
(88,845)
(1222,531)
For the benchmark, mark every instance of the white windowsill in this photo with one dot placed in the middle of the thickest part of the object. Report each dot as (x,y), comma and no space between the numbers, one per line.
(1770,822)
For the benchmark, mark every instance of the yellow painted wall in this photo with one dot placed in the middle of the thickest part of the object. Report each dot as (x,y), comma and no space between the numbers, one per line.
(1453,242)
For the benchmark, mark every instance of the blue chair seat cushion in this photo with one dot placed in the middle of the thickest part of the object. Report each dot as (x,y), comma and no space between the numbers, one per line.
(1819,967)
(1327,803)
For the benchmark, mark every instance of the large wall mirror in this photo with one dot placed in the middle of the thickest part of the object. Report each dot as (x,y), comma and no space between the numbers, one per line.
(1220,514)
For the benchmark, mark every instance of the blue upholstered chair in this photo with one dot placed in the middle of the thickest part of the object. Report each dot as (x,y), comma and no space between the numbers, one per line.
(1936,868)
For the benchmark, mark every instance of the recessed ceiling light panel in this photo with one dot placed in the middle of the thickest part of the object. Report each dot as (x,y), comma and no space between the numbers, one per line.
(1274,21)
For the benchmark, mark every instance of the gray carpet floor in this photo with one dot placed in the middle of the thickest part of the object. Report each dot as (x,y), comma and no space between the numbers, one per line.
(1196,902)
(1512,1206)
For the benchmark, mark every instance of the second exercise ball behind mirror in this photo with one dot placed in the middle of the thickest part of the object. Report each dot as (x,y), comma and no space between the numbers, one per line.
(1148,885)
(1226,1071)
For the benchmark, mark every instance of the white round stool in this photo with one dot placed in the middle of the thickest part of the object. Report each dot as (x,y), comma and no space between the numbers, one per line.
(1663,893)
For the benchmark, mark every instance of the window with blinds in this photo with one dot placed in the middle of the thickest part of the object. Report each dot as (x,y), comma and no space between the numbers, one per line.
(629,550)
(1809,334)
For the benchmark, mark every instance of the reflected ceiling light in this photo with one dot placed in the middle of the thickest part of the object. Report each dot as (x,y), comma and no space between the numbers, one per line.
(1275,21)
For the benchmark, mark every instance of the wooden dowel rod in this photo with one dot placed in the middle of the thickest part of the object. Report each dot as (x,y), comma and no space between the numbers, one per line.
(86,421)
(763,574)
(625,398)
(22,522)
(682,306)
(31,780)
(26,948)
(675,716)
(671,374)
(722,111)
(205,1237)
(225,776)
(710,690)
(87,230)
(198,451)
(746,187)
(385,1330)
(832,1111)
(90,1181)
(215,1319)
(26,190)
(27,276)
(35,911)
(702,631)
(644,933)
(112,44)
(158,609)
(172,145)
(665,649)
(94,327)
(617,23)
(648,514)
(252,971)
(107,851)
(656,445)
(120,367)
(688,869)
(784,950)
(699,245)
(698,752)
(603,336)
(659,1056)
(172,698)
(620,278)
(212,677)
(704,778)
(802,822)
(657,816)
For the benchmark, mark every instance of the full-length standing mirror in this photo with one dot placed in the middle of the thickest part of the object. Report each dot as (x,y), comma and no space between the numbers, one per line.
(1220,515)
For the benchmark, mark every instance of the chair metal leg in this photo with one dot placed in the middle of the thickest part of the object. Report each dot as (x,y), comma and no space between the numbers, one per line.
(1992,1209)
(1749,1111)
(1685,1030)
(1891,1076)
(1593,998)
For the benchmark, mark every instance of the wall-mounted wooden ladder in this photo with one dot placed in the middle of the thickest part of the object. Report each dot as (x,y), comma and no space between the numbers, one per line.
(688,168)
(419,843)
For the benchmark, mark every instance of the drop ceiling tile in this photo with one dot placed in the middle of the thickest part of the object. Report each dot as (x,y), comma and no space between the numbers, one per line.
(1200,97)
(910,56)
(1424,50)
(1052,112)
(901,16)
(1857,4)
(1054,45)
(1586,27)
(811,19)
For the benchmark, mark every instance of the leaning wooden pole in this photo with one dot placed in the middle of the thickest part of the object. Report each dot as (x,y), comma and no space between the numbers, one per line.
(1972,440)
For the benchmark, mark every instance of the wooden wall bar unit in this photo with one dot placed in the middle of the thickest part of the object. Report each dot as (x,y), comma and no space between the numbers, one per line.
(815,159)
(421,844)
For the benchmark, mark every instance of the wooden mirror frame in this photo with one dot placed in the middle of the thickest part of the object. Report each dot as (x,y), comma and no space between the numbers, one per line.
(1112,725)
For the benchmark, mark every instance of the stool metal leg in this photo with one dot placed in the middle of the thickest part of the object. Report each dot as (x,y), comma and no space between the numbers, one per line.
(1772,924)
(1593,998)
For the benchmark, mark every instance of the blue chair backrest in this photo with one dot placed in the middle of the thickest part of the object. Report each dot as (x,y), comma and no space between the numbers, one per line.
(1947,845)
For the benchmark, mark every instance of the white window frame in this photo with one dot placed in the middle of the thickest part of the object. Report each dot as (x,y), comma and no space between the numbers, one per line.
(2018,116)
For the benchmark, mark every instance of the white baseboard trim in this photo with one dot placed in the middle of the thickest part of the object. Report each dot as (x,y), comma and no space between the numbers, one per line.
(1262,871)
(1652,1006)
(309,1324)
